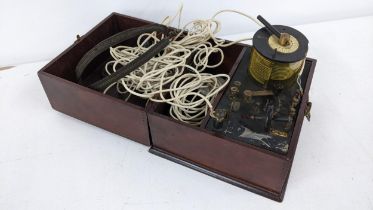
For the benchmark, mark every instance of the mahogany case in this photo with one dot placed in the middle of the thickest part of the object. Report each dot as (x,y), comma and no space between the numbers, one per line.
(244,165)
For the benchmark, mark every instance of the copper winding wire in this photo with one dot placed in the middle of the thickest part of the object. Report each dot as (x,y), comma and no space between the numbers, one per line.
(265,71)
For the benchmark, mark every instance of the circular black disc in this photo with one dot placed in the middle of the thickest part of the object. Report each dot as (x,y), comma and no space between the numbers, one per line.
(260,42)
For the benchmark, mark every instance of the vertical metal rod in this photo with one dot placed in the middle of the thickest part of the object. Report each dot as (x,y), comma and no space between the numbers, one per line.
(269,26)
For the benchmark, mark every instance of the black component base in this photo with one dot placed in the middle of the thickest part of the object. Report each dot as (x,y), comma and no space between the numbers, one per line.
(263,121)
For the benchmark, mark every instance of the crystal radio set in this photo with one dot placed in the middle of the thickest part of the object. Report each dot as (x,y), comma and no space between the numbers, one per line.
(261,103)
(224,108)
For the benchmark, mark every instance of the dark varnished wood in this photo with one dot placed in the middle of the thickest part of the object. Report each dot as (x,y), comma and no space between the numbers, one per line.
(212,173)
(127,119)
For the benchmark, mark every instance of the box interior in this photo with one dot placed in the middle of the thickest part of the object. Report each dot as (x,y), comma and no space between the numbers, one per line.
(64,65)
(232,54)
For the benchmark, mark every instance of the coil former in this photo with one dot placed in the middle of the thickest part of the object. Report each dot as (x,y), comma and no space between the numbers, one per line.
(273,63)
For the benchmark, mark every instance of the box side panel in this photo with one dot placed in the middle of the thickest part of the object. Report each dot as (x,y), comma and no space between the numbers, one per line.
(236,161)
(95,108)
(300,118)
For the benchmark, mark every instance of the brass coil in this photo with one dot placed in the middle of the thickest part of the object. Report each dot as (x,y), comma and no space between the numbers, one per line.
(269,72)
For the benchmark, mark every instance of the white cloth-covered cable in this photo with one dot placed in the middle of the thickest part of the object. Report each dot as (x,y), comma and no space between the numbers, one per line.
(176,76)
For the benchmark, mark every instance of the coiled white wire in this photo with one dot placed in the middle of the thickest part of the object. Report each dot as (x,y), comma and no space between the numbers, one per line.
(163,78)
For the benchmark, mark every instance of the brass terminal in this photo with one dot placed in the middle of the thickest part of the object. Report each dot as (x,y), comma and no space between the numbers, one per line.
(235,106)
(233,92)
(220,116)
(248,94)
(236,83)
(284,39)
(279,133)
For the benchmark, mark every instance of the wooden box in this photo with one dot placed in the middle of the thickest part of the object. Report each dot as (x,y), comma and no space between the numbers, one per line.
(244,165)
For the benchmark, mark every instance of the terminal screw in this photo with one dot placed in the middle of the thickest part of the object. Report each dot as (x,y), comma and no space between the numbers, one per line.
(220,116)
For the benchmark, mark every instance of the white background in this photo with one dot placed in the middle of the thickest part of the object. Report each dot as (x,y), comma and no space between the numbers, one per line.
(34,30)
(51,161)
